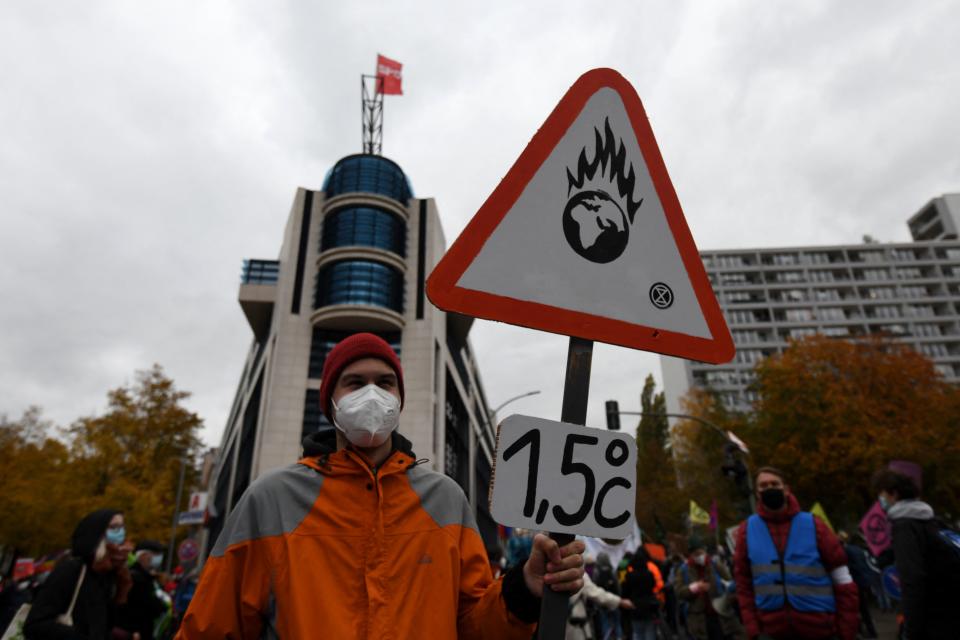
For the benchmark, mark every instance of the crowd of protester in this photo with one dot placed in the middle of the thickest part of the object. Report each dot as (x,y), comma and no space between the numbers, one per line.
(104,586)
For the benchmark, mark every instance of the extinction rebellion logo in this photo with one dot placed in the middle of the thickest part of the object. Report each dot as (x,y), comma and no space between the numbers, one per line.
(595,223)
(601,206)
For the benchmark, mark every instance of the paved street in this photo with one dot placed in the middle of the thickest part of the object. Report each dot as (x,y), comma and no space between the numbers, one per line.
(886,624)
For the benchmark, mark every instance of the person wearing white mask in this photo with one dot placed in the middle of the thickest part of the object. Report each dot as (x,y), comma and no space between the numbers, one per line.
(144,604)
(360,539)
(701,586)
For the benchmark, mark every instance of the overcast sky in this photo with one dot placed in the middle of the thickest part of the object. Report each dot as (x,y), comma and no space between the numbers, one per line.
(146,148)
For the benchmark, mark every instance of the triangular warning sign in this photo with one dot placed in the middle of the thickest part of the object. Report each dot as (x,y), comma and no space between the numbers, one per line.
(585,237)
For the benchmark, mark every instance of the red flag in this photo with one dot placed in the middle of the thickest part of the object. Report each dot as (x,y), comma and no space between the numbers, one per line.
(714,516)
(389,76)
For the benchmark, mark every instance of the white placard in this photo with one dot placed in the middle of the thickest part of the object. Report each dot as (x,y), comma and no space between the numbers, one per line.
(566,478)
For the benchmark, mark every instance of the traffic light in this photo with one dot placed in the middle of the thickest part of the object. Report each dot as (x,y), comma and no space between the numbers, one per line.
(613,415)
(734,468)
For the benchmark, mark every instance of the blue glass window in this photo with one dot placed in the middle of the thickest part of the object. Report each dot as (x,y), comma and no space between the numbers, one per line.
(326,339)
(260,272)
(369,174)
(359,282)
(364,226)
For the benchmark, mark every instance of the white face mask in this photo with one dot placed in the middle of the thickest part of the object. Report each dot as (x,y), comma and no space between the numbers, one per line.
(367,416)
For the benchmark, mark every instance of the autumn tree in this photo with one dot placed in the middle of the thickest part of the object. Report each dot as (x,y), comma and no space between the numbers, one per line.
(660,503)
(39,497)
(831,412)
(128,459)
(701,452)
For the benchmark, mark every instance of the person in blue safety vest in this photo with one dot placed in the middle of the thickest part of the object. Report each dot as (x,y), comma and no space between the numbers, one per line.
(791,570)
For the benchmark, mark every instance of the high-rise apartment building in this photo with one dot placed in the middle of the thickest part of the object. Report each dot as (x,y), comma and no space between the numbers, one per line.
(354,257)
(908,290)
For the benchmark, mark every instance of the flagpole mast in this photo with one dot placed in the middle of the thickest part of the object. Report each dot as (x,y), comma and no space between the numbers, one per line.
(371,106)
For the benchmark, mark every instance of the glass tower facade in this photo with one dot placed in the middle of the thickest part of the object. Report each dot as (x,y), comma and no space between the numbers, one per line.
(368,174)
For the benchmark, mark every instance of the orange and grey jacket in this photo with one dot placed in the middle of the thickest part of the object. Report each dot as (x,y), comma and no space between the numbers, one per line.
(330,547)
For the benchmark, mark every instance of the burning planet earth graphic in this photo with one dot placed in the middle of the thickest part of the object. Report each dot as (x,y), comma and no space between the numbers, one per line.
(595,226)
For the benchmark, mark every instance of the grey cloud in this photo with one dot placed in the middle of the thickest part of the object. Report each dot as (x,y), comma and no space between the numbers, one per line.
(149,147)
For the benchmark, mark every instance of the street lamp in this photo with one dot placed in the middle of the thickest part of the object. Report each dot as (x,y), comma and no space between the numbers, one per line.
(508,401)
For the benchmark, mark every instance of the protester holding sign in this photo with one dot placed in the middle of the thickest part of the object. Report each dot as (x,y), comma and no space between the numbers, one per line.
(928,567)
(791,571)
(360,540)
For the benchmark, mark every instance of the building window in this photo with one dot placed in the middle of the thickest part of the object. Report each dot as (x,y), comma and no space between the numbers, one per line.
(788,276)
(871,256)
(918,310)
(730,261)
(927,330)
(456,460)
(314,419)
(740,297)
(817,258)
(826,294)
(359,282)
(781,259)
(835,332)
(749,356)
(733,278)
(880,293)
(875,274)
(324,340)
(913,292)
(368,174)
(260,272)
(831,313)
(366,227)
(934,350)
(742,317)
(905,273)
(886,311)
(798,315)
(746,337)
(821,276)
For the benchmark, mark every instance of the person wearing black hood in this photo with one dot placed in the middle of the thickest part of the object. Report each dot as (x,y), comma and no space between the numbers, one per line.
(78,600)
(929,568)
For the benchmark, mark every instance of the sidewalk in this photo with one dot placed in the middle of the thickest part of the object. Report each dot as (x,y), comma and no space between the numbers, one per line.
(886,624)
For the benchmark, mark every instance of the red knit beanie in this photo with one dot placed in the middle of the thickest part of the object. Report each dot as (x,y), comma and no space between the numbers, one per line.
(347,351)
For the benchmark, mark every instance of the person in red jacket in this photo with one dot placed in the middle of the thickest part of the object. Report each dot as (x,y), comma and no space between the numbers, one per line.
(792,587)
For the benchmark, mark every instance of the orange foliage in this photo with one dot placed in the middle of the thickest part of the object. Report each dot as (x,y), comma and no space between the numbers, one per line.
(831,412)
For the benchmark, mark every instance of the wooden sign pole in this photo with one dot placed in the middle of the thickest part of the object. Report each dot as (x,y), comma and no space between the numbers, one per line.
(576,389)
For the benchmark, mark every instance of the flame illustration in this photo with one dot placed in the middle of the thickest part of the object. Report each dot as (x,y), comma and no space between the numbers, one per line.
(608,152)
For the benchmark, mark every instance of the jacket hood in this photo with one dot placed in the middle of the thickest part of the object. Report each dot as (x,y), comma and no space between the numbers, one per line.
(913,509)
(793,508)
(90,530)
(324,443)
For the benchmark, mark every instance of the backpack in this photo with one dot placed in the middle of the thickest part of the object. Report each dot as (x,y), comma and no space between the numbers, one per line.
(642,584)
(605,579)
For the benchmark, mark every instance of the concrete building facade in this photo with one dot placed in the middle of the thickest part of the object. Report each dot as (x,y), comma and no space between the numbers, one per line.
(354,257)
(909,290)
